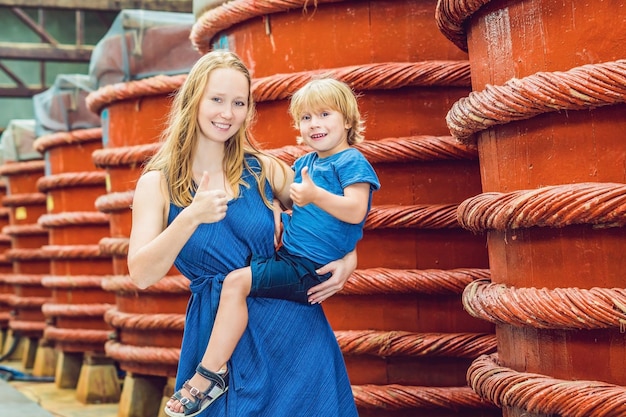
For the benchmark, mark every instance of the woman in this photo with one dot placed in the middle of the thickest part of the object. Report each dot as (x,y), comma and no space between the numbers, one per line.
(204,204)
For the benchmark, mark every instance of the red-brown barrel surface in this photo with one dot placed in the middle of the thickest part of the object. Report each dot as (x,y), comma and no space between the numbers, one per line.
(547,116)
(400,323)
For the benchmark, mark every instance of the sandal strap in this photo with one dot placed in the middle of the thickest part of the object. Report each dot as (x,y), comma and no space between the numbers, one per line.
(219,379)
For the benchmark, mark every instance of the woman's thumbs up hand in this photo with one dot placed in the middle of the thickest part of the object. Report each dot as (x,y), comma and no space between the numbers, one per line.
(209,206)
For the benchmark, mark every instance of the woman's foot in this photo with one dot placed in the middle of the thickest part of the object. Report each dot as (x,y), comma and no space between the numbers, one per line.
(197,393)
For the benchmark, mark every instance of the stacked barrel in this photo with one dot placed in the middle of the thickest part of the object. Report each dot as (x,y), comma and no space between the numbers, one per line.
(546,115)
(78,266)
(400,322)
(68,133)
(148,322)
(133,106)
(6,267)
(22,168)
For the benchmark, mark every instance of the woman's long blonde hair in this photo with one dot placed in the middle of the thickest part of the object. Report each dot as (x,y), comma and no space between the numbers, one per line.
(179,139)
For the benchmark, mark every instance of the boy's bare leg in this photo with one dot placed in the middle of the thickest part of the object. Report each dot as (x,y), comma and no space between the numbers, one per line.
(230,323)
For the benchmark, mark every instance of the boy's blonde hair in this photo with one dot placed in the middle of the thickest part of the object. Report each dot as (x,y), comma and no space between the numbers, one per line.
(328,93)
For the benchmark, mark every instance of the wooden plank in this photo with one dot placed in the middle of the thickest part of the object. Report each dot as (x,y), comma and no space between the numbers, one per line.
(181,6)
(45,52)
(20,92)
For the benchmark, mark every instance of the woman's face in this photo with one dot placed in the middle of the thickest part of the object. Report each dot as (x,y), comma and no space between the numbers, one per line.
(224,105)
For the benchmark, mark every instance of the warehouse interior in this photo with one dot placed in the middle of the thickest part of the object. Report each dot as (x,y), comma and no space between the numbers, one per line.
(490,273)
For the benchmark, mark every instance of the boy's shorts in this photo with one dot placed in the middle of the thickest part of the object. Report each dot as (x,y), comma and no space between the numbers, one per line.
(284,276)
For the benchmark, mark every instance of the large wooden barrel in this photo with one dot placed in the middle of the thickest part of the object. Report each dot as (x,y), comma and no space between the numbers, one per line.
(6,267)
(30,264)
(149,326)
(148,323)
(400,323)
(547,116)
(78,266)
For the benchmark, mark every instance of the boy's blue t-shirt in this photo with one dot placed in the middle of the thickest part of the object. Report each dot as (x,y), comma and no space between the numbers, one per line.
(312,232)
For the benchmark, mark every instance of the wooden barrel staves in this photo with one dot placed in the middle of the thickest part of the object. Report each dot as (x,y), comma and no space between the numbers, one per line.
(547,116)
(399,321)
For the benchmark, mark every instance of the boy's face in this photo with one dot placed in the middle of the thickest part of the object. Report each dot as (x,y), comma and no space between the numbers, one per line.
(324,130)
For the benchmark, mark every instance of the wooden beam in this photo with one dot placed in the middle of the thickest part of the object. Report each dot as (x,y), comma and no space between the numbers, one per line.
(17,80)
(181,6)
(39,30)
(20,92)
(45,52)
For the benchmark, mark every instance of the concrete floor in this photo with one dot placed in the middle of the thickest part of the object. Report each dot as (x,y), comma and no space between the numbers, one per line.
(44,399)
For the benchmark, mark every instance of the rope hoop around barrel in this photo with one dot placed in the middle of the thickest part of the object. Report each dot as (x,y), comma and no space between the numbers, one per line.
(376,76)
(24,199)
(149,355)
(400,397)
(541,395)
(114,246)
(21,168)
(232,12)
(70,282)
(599,204)
(5,298)
(70,180)
(576,308)
(28,303)
(76,336)
(422,148)
(24,230)
(74,137)
(52,309)
(401,343)
(124,155)
(122,284)
(433,216)
(25,327)
(64,252)
(73,218)
(585,87)
(31,280)
(451,15)
(128,321)
(153,86)
(115,201)
(412,281)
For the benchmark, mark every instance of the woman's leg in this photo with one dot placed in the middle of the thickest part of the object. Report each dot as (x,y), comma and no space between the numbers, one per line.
(230,323)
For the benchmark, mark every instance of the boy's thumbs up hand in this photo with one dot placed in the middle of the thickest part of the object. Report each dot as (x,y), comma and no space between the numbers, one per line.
(305,192)
(209,206)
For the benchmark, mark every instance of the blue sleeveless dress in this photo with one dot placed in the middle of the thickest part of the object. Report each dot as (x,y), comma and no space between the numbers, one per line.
(288,362)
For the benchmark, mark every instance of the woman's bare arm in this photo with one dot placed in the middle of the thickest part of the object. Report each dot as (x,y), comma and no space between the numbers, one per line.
(153,245)
(341,270)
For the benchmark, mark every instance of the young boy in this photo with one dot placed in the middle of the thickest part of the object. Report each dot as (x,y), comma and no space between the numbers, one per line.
(331,193)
